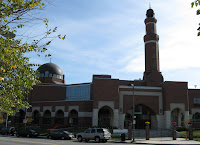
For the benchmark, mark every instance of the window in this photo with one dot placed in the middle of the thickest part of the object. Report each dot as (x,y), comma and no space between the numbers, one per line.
(50,75)
(46,73)
(42,74)
(152,31)
(196,117)
(100,130)
(154,55)
(198,100)
(87,131)
(93,131)
(195,100)
(77,92)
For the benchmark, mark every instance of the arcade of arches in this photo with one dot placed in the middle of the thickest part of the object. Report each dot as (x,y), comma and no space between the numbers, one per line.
(106,117)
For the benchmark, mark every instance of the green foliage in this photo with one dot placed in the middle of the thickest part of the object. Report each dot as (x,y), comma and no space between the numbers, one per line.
(197,4)
(16,72)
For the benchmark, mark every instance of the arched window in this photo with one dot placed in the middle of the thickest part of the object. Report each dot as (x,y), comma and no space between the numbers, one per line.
(59,117)
(73,118)
(47,117)
(36,117)
(46,73)
(105,117)
(177,116)
(196,117)
(20,116)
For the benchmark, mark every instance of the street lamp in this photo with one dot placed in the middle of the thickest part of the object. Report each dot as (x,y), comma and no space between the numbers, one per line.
(133,114)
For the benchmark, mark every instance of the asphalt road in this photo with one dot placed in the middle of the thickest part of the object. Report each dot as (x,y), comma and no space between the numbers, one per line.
(13,140)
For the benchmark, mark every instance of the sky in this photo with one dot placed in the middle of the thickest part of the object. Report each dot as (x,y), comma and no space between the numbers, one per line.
(106,37)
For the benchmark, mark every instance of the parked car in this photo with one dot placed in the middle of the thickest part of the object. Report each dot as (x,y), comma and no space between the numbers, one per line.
(60,135)
(97,134)
(52,132)
(7,130)
(56,127)
(27,133)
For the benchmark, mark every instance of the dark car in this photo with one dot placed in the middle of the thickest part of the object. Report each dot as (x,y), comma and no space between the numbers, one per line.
(27,133)
(60,135)
(7,130)
(52,132)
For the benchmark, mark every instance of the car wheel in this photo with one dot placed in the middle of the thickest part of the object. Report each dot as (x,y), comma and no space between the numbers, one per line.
(87,140)
(80,139)
(97,139)
(49,137)
(62,137)
(27,135)
(17,135)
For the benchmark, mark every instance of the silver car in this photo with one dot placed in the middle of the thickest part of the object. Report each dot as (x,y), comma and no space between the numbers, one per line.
(97,134)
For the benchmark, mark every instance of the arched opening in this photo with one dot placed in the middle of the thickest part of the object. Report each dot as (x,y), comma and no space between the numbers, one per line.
(73,118)
(59,117)
(128,119)
(36,117)
(47,117)
(144,114)
(177,116)
(196,117)
(20,116)
(105,117)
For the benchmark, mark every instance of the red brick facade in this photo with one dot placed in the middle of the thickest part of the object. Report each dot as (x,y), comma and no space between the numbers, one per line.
(109,102)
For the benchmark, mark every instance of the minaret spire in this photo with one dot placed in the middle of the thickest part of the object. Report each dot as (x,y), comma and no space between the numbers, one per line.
(152,68)
(149,5)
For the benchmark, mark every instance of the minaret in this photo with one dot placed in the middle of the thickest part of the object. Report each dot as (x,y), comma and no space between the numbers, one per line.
(152,73)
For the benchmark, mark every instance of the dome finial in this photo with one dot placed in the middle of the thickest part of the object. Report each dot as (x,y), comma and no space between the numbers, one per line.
(150,12)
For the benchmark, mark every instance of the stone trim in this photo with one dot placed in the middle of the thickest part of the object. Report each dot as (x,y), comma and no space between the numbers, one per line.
(151,41)
(177,105)
(141,87)
(106,103)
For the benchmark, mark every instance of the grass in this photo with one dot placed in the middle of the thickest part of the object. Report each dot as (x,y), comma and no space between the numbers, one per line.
(197,139)
(196,134)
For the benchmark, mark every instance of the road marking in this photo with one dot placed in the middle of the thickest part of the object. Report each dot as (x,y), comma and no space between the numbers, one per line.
(28,141)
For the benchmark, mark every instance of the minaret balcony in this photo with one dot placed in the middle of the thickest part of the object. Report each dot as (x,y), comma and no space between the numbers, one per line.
(150,37)
(148,20)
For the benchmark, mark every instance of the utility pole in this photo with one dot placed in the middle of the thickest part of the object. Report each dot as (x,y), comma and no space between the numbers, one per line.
(133,123)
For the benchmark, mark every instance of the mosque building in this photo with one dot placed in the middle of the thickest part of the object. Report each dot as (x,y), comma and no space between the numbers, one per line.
(109,102)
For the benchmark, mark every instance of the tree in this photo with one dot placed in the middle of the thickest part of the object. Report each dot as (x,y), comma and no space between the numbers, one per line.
(17,75)
(197,3)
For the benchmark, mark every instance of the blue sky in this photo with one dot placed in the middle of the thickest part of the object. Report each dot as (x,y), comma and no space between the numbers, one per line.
(106,37)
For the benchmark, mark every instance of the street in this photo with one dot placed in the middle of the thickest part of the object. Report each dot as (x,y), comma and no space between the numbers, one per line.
(13,140)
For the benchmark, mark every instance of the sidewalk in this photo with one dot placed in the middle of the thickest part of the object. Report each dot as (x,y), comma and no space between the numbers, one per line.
(164,140)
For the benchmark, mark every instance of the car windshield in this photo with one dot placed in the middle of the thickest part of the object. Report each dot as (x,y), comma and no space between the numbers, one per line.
(31,130)
(66,132)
